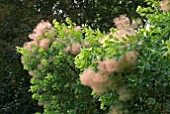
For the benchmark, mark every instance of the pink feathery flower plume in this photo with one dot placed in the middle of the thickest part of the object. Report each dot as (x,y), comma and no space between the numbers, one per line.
(39,30)
(165,5)
(98,82)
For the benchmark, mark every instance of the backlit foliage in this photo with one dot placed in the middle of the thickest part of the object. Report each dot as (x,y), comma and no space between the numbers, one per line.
(127,69)
(49,59)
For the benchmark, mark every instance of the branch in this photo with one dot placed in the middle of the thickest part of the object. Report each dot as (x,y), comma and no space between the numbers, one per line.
(72,68)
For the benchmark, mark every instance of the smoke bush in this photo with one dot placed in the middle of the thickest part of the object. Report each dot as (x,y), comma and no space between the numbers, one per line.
(139,60)
(49,59)
(127,70)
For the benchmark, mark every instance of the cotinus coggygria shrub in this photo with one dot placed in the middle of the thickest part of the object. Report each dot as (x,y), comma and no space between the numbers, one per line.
(128,70)
(49,59)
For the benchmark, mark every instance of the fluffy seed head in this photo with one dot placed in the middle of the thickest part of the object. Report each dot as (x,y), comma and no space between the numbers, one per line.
(165,5)
(166,54)
(98,82)
(75,48)
(131,59)
(121,22)
(128,61)
(98,78)
(107,66)
(31,73)
(77,28)
(44,43)
(87,77)
(86,44)
(40,30)
(28,45)
(67,49)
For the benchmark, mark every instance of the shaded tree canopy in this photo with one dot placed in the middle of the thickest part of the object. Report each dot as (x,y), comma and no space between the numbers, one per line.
(19,16)
(96,13)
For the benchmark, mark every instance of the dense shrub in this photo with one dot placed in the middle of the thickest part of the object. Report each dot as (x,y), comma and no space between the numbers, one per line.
(131,75)
(49,58)
(128,70)
(17,23)
(14,95)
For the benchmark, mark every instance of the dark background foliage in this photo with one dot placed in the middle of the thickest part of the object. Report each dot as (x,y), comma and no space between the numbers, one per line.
(14,83)
(18,18)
